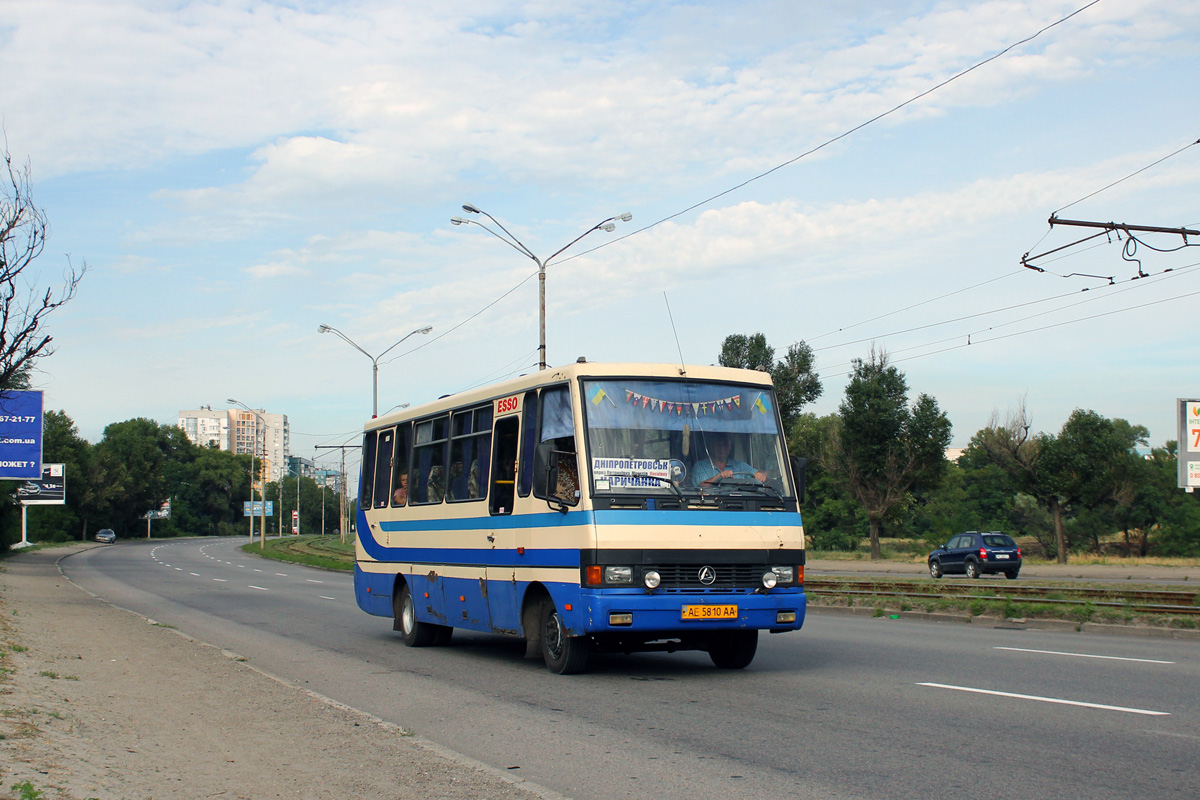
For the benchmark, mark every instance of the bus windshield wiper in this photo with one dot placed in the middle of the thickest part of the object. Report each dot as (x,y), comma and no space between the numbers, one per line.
(741,483)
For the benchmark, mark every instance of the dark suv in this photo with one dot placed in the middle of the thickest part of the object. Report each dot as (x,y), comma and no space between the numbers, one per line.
(975,553)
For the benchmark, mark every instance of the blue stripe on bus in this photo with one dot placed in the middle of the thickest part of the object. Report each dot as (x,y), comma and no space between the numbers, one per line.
(557,519)
(553,519)
(539,557)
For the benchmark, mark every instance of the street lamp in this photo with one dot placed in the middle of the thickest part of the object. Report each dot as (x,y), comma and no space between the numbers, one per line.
(374,359)
(262,520)
(608,225)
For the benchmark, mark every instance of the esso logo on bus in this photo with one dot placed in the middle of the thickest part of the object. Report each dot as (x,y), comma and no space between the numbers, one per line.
(506,405)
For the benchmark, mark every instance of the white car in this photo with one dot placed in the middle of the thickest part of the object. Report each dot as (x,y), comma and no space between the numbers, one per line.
(107,535)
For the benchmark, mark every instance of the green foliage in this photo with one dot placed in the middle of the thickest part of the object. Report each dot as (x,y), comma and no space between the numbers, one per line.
(794,376)
(136,466)
(882,449)
(27,791)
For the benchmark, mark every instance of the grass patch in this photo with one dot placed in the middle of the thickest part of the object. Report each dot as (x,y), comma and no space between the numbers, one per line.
(325,552)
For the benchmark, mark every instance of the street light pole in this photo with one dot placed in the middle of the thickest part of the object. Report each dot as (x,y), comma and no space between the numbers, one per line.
(374,359)
(262,520)
(608,225)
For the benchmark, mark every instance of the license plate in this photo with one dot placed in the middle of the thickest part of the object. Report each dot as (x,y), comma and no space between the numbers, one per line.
(1001,555)
(710,612)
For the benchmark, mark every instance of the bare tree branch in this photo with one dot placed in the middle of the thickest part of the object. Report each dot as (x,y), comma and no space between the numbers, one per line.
(23,303)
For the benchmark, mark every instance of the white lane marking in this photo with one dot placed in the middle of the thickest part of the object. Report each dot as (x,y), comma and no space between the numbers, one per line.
(197,574)
(323,597)
(220,580)
(281,574)
(260,588)
(1056,700)
(310,580)
(179,569)
(1085,655)
(241,566)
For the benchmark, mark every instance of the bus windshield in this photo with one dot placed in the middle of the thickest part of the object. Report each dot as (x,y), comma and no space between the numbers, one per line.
(683,437)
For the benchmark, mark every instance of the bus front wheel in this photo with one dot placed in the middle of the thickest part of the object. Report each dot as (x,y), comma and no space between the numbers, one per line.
(416,634)
(733,649)
(563,654)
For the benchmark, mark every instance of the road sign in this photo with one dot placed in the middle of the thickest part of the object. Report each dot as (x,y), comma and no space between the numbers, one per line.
(296,522)
(258,508)
(50,489)
(21,435)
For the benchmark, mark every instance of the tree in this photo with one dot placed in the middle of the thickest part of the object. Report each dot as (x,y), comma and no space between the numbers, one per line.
(139,462)
(23,304)
(1026,459)
(882,449)
(796,382)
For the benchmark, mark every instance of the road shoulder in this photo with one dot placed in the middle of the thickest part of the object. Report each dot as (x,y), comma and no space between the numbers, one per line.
(97,702)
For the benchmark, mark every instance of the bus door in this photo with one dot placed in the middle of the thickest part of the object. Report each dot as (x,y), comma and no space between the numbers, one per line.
(502,592)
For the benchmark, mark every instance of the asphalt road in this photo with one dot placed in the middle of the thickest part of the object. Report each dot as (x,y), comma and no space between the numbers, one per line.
(849,707)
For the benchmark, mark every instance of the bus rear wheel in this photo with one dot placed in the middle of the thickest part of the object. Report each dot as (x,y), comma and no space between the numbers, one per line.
(416,634)
(563,654)
(733,649)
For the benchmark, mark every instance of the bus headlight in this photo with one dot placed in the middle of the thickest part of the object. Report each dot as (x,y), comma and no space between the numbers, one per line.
(652,579)
(769,579)
(618,575)
(784,575)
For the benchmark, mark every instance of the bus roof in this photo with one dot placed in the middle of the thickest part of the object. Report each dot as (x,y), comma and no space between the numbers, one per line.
(570,372)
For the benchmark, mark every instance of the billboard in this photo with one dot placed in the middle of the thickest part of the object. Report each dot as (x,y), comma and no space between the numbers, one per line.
(1188,417)
(50,489)
(162,512)
(21,435)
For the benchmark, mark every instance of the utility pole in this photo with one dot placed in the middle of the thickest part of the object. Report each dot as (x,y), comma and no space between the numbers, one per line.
(344,495)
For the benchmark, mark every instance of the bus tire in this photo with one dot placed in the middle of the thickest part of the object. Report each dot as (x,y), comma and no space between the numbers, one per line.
(416,634)
(733,649)
(563,654)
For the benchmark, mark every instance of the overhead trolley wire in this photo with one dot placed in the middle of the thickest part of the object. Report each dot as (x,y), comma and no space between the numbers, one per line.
(840,136)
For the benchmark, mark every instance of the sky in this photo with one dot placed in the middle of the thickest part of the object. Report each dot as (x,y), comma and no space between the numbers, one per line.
(235,174)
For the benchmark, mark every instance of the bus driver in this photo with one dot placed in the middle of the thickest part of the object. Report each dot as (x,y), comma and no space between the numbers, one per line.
(708,471)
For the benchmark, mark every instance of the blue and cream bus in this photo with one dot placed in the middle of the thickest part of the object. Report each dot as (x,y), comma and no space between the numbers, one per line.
(587,508)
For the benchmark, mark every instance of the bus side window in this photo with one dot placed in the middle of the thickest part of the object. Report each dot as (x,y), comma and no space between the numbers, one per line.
(400,459)
(383,467)
(470,447)
(556,425)
(504,466)
(529,424)
(367,480)
(427,474)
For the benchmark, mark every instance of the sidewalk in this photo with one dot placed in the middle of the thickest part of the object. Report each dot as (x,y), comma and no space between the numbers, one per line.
(96,702)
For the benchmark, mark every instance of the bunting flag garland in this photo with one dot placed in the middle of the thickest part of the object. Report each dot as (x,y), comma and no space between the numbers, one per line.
(705,408)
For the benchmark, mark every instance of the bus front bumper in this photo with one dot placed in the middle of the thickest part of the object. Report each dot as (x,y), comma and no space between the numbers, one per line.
(614,611)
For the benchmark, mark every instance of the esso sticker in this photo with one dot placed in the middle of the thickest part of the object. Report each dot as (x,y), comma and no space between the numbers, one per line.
(506,405)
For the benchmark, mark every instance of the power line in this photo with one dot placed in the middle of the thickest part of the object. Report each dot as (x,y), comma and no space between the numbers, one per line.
(840,136)
(1167,273)
(971,336)
(1127,177)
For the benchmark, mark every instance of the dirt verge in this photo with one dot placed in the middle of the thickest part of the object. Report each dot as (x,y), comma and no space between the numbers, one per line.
(96,702)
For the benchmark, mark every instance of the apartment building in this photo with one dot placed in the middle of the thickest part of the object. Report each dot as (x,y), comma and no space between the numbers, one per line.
(237,430)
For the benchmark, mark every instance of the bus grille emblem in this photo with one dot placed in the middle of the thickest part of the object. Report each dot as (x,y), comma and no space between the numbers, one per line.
(708,576)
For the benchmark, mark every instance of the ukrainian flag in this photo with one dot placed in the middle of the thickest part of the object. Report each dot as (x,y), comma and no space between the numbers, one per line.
(598,396)
(762,404)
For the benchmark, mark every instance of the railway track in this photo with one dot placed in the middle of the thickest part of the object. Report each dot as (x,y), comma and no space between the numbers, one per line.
(1148,601)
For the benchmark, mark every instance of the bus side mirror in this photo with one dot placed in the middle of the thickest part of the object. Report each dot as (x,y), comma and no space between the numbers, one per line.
(800,476)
